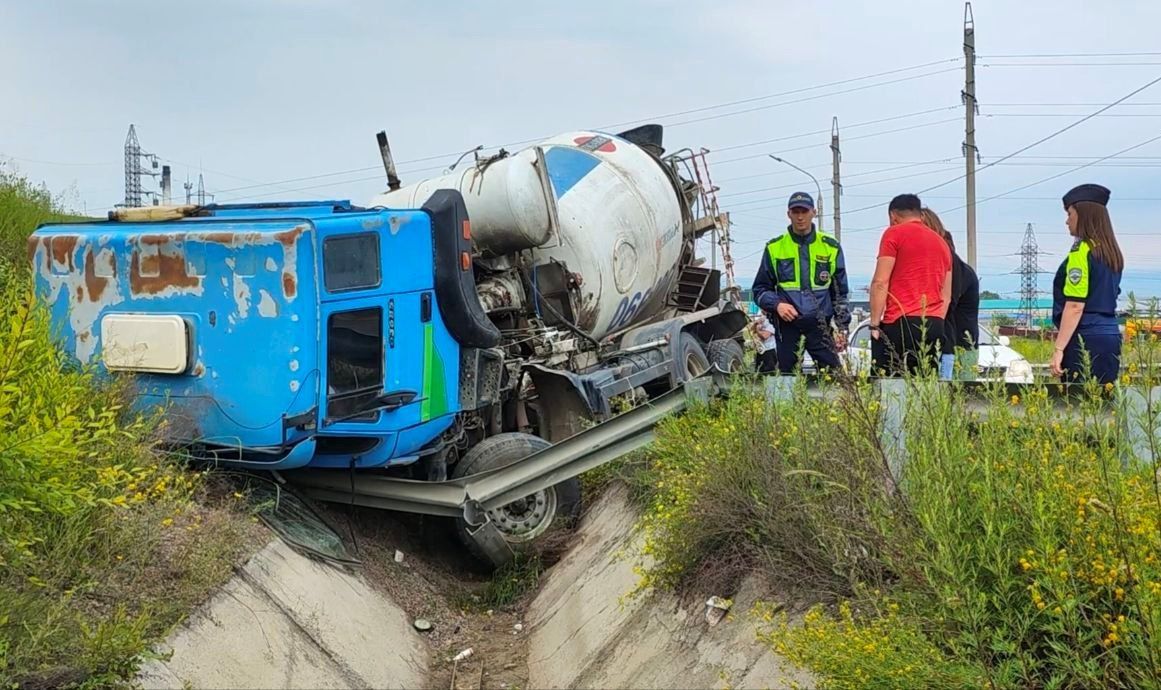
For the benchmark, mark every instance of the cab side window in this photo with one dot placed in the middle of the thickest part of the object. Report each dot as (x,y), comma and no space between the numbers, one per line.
(354,362)
(351,262)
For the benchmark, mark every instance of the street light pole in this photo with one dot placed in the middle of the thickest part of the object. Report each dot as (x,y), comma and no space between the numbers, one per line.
(817,186)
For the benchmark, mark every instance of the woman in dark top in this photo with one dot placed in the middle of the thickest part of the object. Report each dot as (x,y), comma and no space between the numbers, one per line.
(1085,291)
(963,314)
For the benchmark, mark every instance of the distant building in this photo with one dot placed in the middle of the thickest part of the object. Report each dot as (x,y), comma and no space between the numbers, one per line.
(1010,312)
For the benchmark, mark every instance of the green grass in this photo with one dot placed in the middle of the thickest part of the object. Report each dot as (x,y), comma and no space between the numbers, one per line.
(23,206)
(1013,551)
(1035,350)
(511,582)
(105,543)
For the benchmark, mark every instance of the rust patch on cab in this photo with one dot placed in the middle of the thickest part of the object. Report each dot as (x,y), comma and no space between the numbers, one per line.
(96,284)
(218,237)
(63,247)
(289,285)
(231,239)
(155,273)
(289,238)
(34,244)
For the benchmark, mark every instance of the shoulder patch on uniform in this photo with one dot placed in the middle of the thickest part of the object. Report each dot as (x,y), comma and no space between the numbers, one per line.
(830,240)
(1075,245)
(1074,276)
(776,238)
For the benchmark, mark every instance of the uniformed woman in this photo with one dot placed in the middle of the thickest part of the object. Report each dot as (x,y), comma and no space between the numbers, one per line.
(1085,291)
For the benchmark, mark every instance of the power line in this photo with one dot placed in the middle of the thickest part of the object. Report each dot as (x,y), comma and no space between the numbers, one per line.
(783,93)
(1070,64)
(1066,55)
(1068,114)
(1011,198)
(69,165)
(862,174)
(811,98)
(728,161)
(1062,174)
(1066,105)
(320,176)
(861,184)
(660,117)
(827,131)
(1053,135)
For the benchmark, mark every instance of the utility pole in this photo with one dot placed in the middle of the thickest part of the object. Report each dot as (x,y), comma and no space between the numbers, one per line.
(834,180)
(971,153)
(188,190)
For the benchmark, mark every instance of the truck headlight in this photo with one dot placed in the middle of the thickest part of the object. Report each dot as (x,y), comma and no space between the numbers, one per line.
(1019,371)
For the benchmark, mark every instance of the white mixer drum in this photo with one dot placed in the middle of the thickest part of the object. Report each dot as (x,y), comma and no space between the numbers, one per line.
(505,200)
(619,216)
(620,227)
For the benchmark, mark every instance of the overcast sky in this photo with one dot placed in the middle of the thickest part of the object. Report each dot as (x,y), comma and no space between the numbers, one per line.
(255,92)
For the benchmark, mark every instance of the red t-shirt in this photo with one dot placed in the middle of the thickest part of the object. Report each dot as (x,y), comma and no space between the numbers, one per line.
(922,260)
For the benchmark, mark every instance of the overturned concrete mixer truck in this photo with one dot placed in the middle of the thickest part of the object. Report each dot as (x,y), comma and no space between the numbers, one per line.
(442,330)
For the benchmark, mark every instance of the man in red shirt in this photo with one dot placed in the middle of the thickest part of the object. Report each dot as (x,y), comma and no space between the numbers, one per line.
(910,292)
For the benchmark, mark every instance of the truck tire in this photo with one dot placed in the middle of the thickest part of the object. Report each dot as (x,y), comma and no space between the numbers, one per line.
(691,359)
(726,355)
(522,521)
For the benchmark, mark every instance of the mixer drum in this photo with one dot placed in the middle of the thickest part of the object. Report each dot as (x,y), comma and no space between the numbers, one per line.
(618,212)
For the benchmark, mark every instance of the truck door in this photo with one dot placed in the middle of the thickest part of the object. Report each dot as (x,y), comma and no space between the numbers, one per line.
(388,365)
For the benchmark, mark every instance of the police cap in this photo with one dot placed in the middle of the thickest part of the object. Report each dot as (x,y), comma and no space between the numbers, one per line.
(800,200)
(1087,192)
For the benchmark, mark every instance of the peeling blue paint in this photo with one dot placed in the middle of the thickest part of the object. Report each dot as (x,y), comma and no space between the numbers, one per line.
(248,282)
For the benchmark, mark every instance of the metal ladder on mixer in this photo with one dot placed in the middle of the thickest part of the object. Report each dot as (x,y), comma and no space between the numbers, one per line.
(720,234)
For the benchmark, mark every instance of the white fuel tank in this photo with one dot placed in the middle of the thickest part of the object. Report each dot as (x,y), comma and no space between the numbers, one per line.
(619,220)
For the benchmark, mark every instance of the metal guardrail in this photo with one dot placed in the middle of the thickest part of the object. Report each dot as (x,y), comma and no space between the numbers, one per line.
(472,496)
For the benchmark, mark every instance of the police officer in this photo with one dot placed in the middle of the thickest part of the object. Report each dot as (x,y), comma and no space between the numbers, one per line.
(802,285)
(1085,291)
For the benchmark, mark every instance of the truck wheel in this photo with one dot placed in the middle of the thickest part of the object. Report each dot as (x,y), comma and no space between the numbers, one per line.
(521,521)
(691,360)
(726,355)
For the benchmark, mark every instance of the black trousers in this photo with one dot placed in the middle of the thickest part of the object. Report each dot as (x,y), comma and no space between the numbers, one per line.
(1104,358)
(766,362)
(808,334)
(906,344)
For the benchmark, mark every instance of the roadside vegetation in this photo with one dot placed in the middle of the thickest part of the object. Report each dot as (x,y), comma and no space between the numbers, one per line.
(1013,549)
(105,542)
(1035,350)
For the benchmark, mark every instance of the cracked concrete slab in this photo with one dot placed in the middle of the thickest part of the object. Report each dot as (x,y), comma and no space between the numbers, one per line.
(287,621)
(585,635)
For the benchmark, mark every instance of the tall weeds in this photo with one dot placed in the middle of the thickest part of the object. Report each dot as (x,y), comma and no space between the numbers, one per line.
(1018,546)
(102,543)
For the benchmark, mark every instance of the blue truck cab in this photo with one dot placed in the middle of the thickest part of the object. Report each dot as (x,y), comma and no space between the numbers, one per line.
(284,335)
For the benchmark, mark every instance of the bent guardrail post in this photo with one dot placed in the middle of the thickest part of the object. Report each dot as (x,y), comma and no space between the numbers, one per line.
(780,387)
(1138,412)
(892,394)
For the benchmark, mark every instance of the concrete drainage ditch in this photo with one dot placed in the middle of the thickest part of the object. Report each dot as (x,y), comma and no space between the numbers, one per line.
(287,621)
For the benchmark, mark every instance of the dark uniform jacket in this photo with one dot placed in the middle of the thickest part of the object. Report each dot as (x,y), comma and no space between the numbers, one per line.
(1084,278)
(807,271)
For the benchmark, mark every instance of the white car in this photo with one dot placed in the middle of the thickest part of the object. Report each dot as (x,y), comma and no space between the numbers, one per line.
(997,361)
